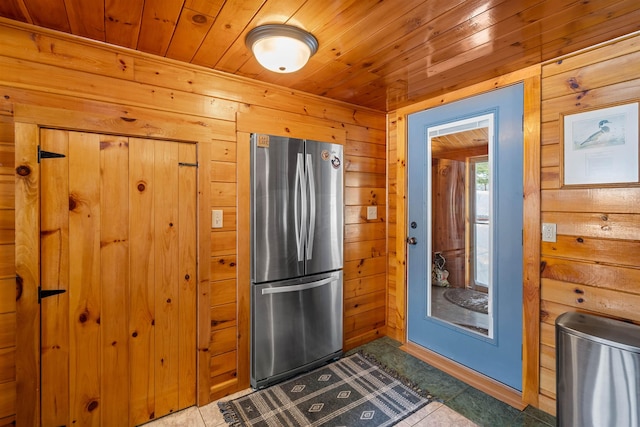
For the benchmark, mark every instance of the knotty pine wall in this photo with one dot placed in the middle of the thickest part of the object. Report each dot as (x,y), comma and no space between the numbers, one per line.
(41,70)
(594,266)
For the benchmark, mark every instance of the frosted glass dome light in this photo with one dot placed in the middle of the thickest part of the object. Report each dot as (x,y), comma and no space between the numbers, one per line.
(281,48)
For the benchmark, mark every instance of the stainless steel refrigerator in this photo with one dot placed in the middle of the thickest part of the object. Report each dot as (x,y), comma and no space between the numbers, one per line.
(296,256)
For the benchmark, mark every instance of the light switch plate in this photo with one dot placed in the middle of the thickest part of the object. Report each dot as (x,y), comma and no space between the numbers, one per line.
(548,232)
(216,218)
(372,212)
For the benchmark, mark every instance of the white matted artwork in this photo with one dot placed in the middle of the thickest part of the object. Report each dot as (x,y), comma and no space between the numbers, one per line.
(601,146)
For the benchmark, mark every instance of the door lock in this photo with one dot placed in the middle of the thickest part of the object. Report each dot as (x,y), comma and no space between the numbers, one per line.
(412,241)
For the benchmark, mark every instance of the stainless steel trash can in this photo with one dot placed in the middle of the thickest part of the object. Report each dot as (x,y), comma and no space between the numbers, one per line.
(598,372)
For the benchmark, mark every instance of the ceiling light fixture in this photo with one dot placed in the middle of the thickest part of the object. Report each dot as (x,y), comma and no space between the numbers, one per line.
(281,48)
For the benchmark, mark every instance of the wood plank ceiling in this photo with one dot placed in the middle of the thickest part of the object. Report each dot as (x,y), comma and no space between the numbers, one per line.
(382,54)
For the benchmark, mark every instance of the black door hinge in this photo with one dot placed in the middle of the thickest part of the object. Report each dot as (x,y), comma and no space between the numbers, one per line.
(48,293)
(42,154)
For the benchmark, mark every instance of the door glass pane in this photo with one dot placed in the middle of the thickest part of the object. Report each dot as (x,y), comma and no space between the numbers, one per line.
(459,212)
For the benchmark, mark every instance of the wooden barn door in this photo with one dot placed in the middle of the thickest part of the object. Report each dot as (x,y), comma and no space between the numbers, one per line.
(118,235)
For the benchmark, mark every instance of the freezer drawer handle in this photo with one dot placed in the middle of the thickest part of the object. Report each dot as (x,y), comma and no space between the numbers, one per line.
(297,288)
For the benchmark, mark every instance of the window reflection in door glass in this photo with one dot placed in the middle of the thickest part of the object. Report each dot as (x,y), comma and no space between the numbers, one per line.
(460,216)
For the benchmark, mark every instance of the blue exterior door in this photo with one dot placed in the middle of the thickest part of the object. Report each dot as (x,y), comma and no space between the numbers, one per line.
(497,353)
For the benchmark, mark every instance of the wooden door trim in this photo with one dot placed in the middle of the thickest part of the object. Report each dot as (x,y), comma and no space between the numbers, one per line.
(27,274)
(531,216)
(28,120)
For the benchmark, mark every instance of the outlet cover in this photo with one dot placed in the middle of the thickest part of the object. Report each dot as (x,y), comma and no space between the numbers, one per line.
(216,218)
(372,212)
(548,232)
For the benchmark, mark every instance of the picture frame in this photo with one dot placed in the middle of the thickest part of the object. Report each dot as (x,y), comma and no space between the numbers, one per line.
(600,146)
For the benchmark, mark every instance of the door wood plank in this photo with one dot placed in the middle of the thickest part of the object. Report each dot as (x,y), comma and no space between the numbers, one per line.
(54,247)
(114,261)
(166,193)
(84,278)
(142,279)
(187,207)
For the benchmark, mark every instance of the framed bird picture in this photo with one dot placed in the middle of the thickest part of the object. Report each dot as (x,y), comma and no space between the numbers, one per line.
(601,146)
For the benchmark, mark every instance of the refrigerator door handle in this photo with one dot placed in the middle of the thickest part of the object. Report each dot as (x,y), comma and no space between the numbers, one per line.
(298,288)
(312,206)
(300,217)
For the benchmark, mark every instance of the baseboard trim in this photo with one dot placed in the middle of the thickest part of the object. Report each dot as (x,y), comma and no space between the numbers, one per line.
(483,383)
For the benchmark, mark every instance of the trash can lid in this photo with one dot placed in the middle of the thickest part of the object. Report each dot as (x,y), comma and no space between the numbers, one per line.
(611,332)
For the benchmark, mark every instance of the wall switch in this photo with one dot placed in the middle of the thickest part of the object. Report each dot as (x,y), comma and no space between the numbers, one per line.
(372,212)
(216,218)
(548,232)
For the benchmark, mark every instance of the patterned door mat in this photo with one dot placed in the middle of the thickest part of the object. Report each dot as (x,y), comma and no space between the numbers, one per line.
(354,391)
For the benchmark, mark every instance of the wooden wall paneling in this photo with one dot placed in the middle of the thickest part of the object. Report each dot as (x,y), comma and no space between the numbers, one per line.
(223,193)
(607,200)
(592,98)
(223,171)
(274,122)
(8,363)
(7,153)
(128,121)
(249,93)
(8,397)
(222,292)
(596,250)
(621,278)
(134,94)
(596,224)
(224,341)
(27,266)
(6,193)
(598,300)
(225,284)
(8,293)
(589,268)
(613,49)
(365,249)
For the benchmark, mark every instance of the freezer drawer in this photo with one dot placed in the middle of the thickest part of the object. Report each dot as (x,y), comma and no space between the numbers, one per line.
(296,325)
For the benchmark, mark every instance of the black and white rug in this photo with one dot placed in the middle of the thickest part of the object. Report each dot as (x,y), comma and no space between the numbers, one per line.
(354,391)
(469,299)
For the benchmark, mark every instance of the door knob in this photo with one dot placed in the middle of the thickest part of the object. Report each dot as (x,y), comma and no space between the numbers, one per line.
(412,241)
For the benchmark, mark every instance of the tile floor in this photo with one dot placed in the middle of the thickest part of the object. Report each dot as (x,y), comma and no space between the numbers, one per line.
(458,404)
